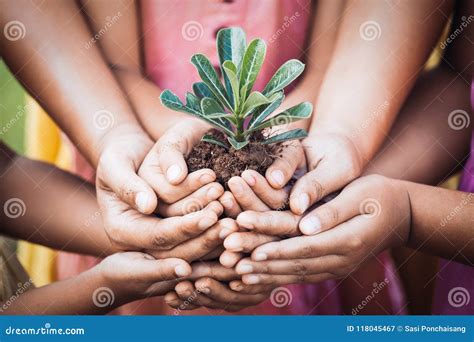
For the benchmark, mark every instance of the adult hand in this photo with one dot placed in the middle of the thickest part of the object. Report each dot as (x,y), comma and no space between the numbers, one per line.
(332,162)
(368,216)
(126,200)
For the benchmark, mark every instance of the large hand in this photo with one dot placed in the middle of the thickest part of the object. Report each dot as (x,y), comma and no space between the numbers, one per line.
(368,216)
(332,162)
(126,200)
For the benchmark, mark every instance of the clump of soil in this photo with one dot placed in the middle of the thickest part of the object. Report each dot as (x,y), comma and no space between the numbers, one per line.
(229,163)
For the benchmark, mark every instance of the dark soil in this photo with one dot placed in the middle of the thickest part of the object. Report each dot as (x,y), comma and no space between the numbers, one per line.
(229,163)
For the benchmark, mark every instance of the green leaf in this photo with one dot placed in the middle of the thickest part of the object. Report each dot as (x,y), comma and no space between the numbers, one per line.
(286,74)
(210,106)
(251,64)
(209,76)
(172,101)
(231,47)
(201,90)
(254,100)
(192,101)
(267,110)
(213,140)
(286,136)
(230,71)
(298,112)
(237,144)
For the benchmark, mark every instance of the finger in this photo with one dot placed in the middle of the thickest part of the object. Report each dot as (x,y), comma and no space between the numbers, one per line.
(340,209)
(239,286)
(116,176)
(330,242)
(198,247)
(284,167)
(223,294)
(246,241)
(275,223)
(187,293)
(244,195)
(215,254)
(322,264)
(170,193)
(315,185)
(231,207)
(194,202)
(213,270)
(135,231)
(253,279)
(230,259)
(275,199)
(150,269)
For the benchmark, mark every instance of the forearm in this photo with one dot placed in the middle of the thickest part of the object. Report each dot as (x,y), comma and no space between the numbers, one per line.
(58,210)
(441,221)
(76,297)
(67,76)
(361,99)
(422,146)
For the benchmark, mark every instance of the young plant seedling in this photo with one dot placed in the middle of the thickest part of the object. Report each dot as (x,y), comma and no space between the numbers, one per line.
(232,107)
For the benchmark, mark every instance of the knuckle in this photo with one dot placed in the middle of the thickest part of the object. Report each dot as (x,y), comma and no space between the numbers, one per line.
(307,251)
(315,187)
(299,268)
(161,242)
(330,212)
(354,243)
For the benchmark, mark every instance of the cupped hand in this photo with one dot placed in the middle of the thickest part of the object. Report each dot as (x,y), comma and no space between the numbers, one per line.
(368,216)
(332,162)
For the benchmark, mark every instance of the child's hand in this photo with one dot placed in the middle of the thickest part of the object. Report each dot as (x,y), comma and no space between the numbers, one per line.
(332,162)
(135,275)
(211,291)
(368,216)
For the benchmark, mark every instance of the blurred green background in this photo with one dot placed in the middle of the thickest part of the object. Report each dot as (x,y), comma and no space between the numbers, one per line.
(12,110)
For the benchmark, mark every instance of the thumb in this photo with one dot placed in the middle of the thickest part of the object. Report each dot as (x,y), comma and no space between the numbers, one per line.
(119,175)
(174,145)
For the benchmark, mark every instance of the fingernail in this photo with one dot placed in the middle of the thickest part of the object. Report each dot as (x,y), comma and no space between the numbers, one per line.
(225,232)
(227,203)
(252,279)
(310,225)
(213,193)
(249,179)
(205,290)
(173,172)
(236,287)
(233,244)
(242,269)
(181,271)
(206,222)
(237,188)
(278,177)
(206,178)
(260,257)
(245,220)
(142,201)
(303,201)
